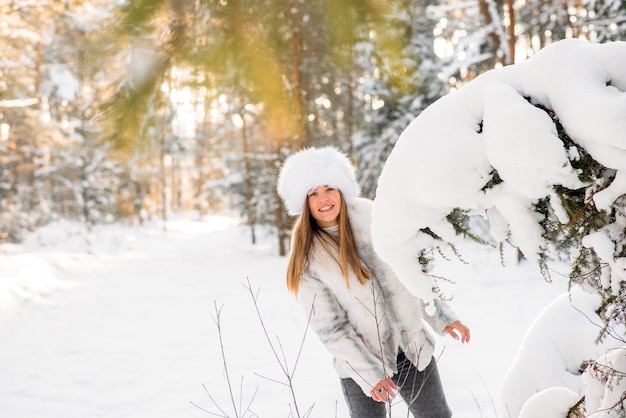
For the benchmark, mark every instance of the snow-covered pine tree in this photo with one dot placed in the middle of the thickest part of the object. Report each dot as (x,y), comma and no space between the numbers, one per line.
(522,148)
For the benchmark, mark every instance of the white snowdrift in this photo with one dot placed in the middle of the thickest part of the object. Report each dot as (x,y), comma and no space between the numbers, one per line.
(553,351)
(550,403)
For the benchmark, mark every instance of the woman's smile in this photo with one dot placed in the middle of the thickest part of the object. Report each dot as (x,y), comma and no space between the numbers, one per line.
(325,205)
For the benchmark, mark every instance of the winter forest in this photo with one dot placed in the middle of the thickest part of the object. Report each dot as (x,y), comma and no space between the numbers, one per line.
(136,111)
(132,110)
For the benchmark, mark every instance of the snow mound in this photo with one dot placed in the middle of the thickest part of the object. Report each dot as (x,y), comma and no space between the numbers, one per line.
(550,403)
(75,237)
(554,349)
(25,278)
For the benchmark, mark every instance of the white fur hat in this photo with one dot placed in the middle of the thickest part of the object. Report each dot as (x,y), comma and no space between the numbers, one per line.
(312,167)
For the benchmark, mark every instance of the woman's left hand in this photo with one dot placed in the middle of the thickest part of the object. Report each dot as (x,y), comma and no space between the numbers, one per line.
(457,328)
(384,391)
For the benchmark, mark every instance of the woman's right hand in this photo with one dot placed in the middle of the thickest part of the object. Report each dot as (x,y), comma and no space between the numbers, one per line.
(384,391)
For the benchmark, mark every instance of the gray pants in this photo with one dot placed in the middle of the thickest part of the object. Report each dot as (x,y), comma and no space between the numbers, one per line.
(422,391)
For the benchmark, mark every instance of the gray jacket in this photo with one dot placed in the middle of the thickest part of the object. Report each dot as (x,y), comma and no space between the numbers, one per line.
(364,326)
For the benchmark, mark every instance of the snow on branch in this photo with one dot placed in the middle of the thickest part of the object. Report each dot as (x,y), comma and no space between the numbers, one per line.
(552,132)
(538,150)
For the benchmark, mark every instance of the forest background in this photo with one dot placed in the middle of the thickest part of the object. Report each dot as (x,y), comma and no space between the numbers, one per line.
(133,110)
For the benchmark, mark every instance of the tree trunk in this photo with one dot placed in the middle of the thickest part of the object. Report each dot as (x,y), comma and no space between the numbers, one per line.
(281,227)
(350,115)
(248,179)
(510,31)
(163,182)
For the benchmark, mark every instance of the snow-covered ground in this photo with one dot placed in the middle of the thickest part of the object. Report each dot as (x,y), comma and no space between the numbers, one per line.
(121,322)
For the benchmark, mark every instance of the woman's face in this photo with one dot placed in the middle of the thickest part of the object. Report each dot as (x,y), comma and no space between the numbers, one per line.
(325,205)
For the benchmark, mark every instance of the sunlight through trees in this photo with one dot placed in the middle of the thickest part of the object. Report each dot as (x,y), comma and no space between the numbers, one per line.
(138,109)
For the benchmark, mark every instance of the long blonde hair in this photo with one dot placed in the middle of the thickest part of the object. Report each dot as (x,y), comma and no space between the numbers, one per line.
(307,234)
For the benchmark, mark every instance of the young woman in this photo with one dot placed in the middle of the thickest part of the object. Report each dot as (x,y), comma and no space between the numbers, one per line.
(374,328)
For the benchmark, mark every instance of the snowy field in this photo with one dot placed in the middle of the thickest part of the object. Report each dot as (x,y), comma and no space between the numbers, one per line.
(120,322)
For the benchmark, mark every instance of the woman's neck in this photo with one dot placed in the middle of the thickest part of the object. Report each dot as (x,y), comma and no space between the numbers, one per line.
(333,231)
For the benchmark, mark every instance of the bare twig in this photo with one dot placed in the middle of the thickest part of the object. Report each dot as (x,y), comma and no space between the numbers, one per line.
(206,410)
(223,414)
(273,380)
(493,404)
(415,395)
(237,411)
(609,331)
(217,321)
(281,358)
(247,410)
(380,340)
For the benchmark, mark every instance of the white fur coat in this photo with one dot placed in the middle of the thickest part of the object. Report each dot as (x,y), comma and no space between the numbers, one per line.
(364,326)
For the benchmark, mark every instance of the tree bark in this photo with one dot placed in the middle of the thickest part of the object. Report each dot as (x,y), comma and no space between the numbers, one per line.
(510,31)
